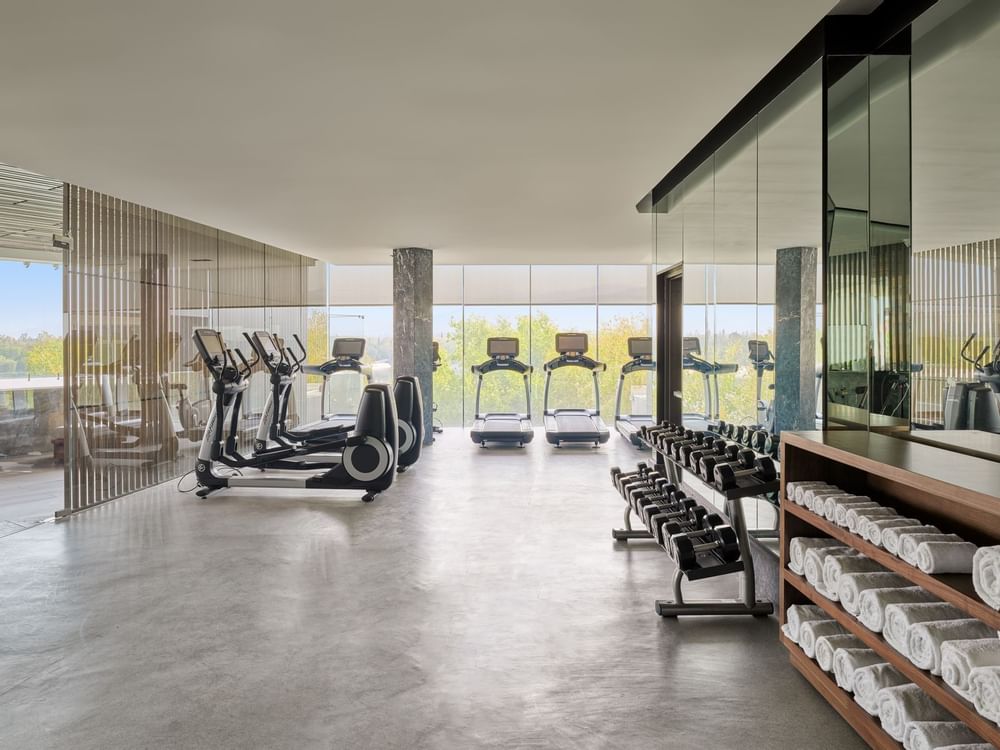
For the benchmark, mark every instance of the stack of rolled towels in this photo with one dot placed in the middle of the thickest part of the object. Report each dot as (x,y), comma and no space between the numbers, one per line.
(906,713)
(921,545)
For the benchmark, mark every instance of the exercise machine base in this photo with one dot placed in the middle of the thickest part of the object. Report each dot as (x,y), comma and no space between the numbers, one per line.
(667,608)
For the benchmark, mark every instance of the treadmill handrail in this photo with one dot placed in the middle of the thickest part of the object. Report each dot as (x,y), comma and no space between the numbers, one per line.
(575,360)
(636,364)
(498,365)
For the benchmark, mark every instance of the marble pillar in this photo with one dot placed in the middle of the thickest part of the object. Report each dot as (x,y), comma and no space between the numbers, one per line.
(412,302)
(795,339)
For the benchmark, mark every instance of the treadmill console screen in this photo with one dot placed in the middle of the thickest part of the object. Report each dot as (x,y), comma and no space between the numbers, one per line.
(210,344)
(348,348)
(571,343)
(640,346)
(759,351)
(502,346)
(691,345)
(266,345)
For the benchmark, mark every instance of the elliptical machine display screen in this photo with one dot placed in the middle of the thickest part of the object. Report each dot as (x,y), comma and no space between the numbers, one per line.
(210,345)
(266,345)
(502,346)
(571,343)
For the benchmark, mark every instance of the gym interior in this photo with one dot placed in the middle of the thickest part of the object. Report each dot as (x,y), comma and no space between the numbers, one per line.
(304,443)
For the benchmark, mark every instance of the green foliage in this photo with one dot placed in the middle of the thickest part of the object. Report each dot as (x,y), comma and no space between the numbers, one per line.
(37,356)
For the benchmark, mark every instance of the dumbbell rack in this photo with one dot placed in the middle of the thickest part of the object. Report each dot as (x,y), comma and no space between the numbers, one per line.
(746,603)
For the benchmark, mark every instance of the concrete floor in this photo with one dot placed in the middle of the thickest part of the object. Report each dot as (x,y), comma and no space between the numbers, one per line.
(478,603)
(31,491)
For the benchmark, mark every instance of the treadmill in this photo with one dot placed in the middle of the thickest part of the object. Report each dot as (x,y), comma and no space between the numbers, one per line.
(574,425)
(709,372)
(762,361)
(502,427)
(345,357)
(640,349)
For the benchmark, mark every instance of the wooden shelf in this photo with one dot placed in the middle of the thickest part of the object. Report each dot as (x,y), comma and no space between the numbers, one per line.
(954,589)
(935,687)
(958,493)
(863,723)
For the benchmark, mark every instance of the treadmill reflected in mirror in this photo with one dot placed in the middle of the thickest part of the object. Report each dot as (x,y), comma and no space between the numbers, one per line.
(709,372)
(640,349)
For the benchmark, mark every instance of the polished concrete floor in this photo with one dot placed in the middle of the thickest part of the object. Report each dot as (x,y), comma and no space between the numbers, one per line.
(478,603)
(31,491)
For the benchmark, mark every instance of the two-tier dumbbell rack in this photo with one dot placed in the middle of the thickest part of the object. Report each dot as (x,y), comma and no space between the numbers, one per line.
(746,603)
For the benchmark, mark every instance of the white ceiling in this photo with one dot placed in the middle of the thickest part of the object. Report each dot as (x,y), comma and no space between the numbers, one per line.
(493,132)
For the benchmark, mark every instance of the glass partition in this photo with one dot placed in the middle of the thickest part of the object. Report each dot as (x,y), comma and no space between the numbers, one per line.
(956,226)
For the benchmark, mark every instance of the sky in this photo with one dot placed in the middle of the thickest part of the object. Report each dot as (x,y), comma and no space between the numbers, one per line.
(30,299)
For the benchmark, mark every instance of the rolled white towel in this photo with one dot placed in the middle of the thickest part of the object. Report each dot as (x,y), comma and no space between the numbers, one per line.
(855,516)
(959,658)
(814,629)
(795,490)
(869,680)
(908,543)
(834,566)
(812,567)
(968,746)
(797,614)
(872,603)
(852,584)
(945,557)
(815,496)
(831,503)
(798,547)
(902,704)
(840,511)
(929,735)
(873,527)
(984,684)
(899,618)
(826,645)
(846,661)
(986,575)
(890,536)
(924,639)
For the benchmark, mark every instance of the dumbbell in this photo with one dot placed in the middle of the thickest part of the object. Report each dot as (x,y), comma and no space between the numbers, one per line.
(721,427)
(697,438)
(772,445)
(726,476)
(719,540)
(664,441)
(683,452)
(663,496)
(757,440)
(667,508)
(708,461)
(618,477)
(690,458)
(743,434)
(738,459)
(658,487)
(695,522)
(686,513)
(731,430)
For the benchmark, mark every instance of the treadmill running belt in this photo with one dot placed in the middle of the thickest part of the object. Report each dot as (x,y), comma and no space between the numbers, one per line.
(575,423)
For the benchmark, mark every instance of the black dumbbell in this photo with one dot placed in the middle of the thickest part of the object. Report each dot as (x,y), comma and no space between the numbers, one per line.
(703,521)
(659,488)
(697,439)
(726,476)
(688,514)
(664,440)
(619,477)
(721,541)
(738,459)
(669,499)
(707,462)
(692,459)
(757,440)
(705,444)
(772,445)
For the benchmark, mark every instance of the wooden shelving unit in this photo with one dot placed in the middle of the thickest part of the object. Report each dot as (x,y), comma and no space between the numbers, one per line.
(958,493)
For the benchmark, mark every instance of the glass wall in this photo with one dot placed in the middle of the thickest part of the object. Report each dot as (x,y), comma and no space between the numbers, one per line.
(31,361)
(956,223)
(757,198)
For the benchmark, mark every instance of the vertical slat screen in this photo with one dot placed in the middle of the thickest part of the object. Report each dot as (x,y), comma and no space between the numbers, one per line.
(137,282)
(956,292)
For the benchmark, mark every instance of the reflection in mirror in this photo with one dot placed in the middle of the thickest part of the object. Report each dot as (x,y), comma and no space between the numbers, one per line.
(847,223)
(956,226)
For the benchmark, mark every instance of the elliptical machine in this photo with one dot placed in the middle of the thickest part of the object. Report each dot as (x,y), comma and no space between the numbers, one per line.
(367,462)
(345,357)
(976,405)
